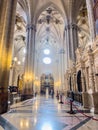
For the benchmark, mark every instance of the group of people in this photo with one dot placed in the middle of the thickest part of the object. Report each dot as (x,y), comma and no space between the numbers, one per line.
(51,93)
(58,94)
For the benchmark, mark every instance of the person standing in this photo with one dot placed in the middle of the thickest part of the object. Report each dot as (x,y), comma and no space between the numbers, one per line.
(52,93)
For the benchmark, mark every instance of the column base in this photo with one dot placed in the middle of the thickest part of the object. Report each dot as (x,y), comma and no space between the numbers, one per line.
(95,100)
(71,112)
(3,102)
(87,100)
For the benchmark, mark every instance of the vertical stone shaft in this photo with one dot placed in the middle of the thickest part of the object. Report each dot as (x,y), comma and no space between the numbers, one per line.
(89,4)
(71,43)
(7,22)
(67,47)
(91,72)
(30,58)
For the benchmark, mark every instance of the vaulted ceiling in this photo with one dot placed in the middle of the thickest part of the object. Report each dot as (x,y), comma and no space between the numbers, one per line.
(50,18)
(67,8)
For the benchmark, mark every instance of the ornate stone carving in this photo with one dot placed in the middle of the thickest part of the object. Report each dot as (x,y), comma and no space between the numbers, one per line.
(78,55)
(91,17)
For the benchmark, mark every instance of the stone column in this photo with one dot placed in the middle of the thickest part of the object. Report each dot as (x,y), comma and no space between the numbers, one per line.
(29,62)
(66,47)
(91,81)
(95,101)
(91,72)
(62,52)
(86,97)
(84,89)
(96,26)
(7,22)
(71,31)
(91,18)
(67,37)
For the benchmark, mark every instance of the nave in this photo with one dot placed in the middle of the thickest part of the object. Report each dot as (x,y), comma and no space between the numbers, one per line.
(46,113)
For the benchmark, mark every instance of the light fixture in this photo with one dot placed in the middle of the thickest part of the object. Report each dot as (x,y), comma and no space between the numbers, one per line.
(24,50)
(15,58)
(47,60)
(46,51)
(19,62)
(46,126)
(23,60)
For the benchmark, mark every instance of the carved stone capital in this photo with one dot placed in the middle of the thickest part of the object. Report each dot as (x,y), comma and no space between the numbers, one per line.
(67,27)
(31,26)
(71,26)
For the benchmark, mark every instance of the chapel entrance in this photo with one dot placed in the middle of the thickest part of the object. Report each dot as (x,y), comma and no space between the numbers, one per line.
(47,83)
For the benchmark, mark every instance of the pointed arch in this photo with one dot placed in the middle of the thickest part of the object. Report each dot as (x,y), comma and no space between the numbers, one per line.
(46,6)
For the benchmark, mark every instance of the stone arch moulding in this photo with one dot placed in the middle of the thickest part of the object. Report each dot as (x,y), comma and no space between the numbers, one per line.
(21,33)
(46,6)
(25,7)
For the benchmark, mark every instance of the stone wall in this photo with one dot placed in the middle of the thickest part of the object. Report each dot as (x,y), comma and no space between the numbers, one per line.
(87,65)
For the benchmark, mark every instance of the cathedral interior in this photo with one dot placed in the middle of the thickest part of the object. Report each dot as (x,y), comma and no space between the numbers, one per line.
(48,64)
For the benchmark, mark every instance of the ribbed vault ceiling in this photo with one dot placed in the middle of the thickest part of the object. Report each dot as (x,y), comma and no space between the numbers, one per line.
(50,25)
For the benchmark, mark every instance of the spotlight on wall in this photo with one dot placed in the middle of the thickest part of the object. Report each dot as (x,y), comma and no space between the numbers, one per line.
(15,58)
(18,62)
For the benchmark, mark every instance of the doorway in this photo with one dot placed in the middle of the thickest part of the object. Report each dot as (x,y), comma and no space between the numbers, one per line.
(79,83)
(47,83)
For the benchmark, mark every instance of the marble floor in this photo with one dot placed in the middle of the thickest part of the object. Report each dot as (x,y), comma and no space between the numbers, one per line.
(46,113)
